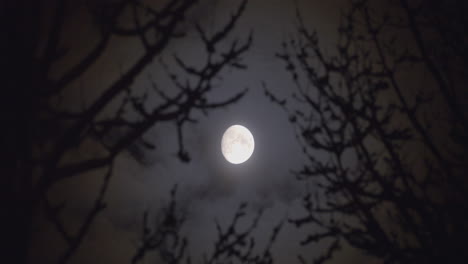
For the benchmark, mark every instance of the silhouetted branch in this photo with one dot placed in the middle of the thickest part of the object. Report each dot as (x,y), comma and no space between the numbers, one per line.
(98,206)
(46,161)
(164,235)
(353,114)
(231,245)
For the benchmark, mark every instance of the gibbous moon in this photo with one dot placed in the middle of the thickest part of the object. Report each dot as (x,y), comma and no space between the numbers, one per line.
(237,144)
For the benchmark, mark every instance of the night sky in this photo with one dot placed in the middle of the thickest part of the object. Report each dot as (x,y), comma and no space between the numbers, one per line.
(208,187)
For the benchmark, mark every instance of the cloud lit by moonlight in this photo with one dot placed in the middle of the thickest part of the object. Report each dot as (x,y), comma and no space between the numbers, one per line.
(237,144)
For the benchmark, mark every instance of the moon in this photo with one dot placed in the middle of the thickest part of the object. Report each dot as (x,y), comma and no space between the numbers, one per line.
(237,144)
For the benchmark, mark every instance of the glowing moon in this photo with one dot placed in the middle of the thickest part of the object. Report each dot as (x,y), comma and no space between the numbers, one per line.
(237,144)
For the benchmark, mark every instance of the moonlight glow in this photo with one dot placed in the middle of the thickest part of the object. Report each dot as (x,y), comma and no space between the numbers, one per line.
(237,144)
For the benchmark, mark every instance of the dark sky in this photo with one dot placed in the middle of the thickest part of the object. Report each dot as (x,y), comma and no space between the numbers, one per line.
(209,186)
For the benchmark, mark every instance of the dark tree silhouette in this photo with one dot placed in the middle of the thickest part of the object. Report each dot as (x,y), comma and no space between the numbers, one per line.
(233,244)
(39,135)
(386,152)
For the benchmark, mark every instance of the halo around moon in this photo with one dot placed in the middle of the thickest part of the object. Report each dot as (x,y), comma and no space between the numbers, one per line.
(237,144)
